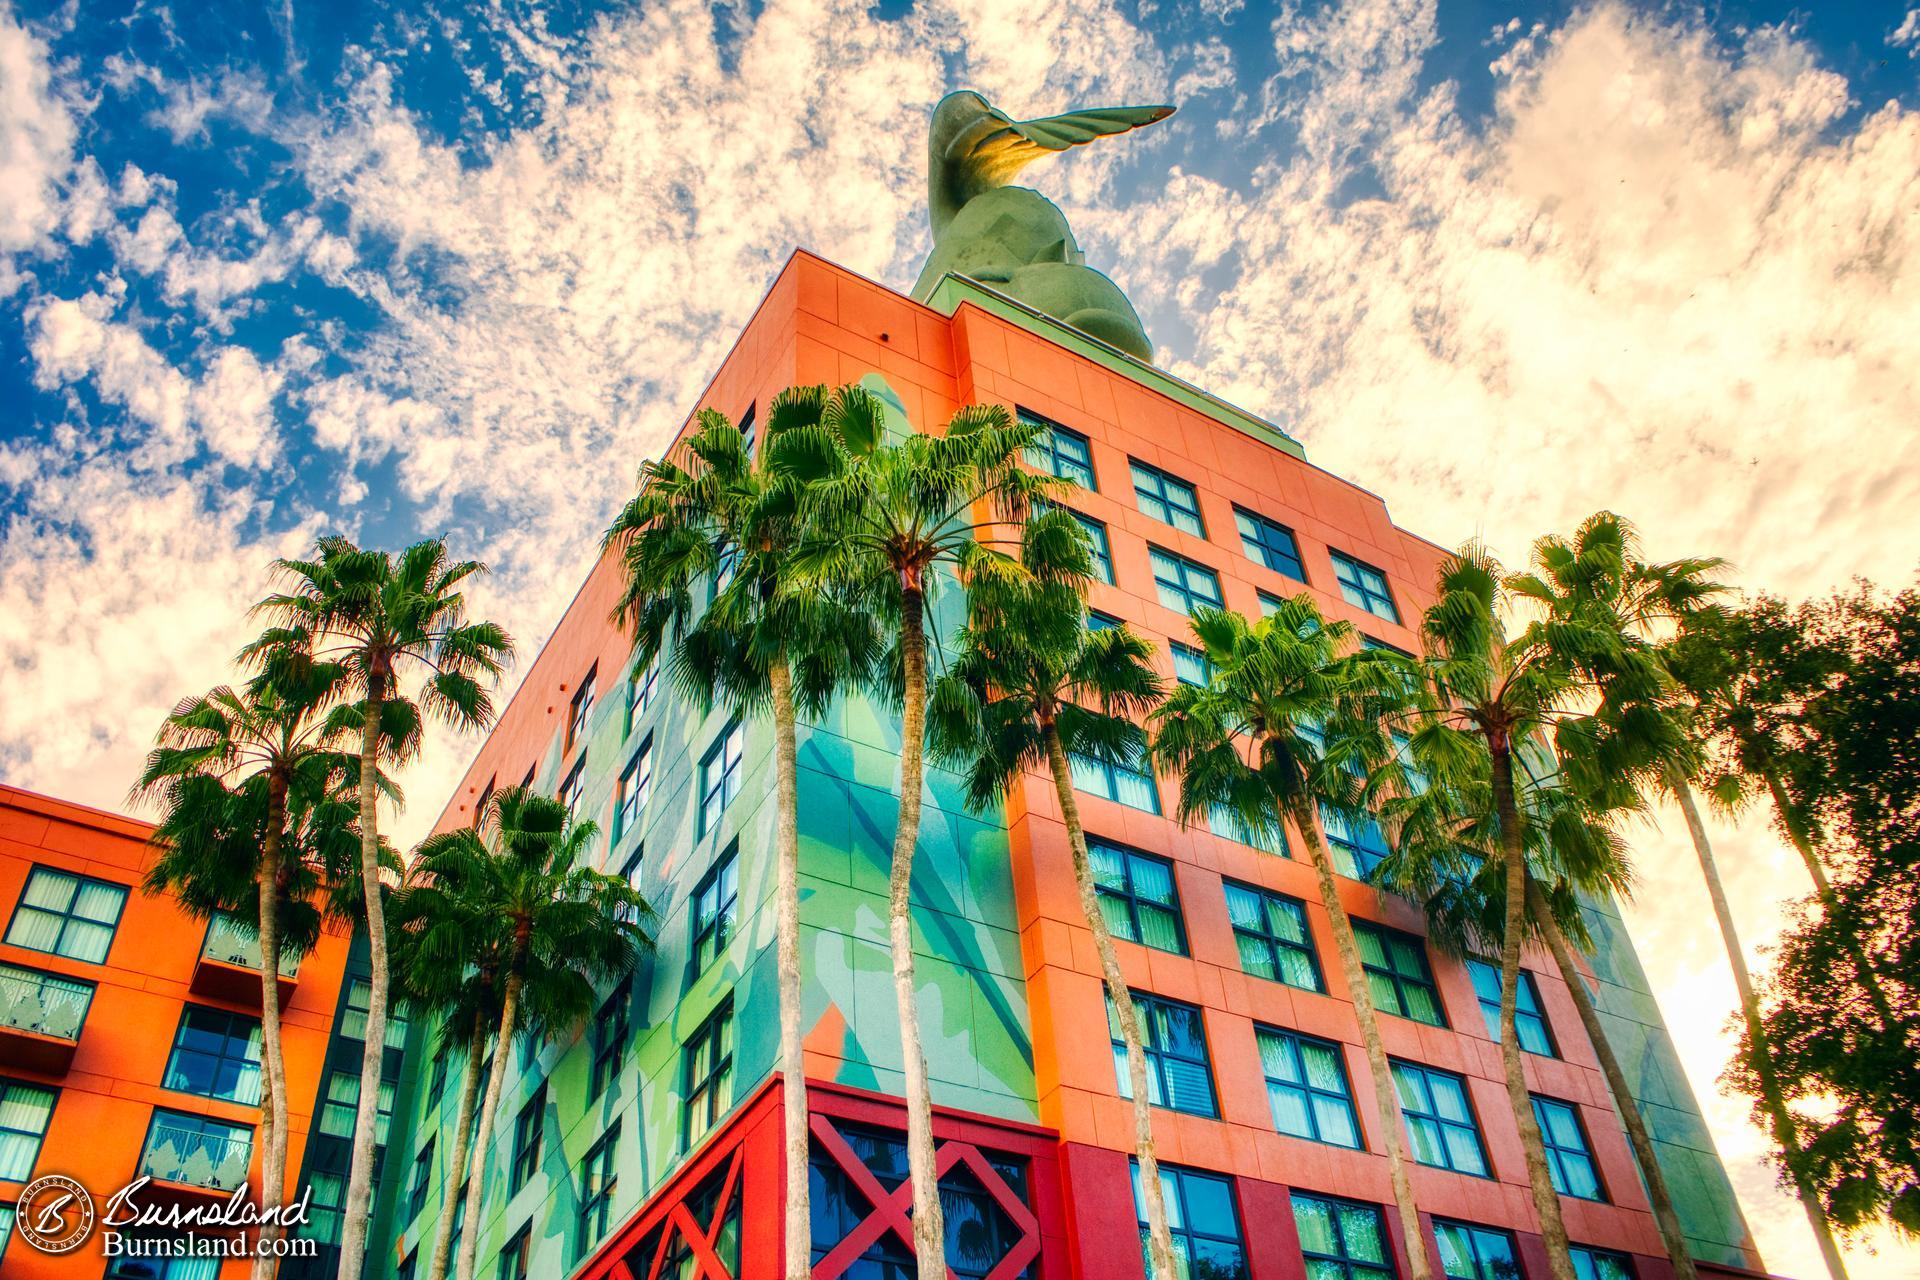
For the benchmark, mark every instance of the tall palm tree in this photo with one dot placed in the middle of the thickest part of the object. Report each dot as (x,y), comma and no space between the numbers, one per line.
(1030,686)
(373,619)
(533,904)
(716,513)
(885,518)
(1272,738)
(247,783)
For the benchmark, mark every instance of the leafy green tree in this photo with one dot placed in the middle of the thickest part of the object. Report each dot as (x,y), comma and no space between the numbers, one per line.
(1031,685)
(713,513)
(370,620)
(252,825)
(1280,731)
(530,911)
(886,517)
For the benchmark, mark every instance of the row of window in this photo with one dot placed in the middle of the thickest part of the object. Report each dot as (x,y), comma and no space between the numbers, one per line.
(1174,502)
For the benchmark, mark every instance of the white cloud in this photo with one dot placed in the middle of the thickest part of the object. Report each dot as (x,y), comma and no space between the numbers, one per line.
(1907,34)
(36,145)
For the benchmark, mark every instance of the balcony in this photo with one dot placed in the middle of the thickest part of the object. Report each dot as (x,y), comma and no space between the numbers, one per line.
(195,1159)
(41,1016)
(229,963)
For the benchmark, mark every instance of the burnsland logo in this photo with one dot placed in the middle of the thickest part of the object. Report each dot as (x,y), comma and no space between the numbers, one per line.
(54,1214)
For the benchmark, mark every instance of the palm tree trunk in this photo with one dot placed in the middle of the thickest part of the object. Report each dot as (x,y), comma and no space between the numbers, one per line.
(273,1164)
(1159,1235)
(457,1160)
(1385,1096)
(1785,1130)
(483,1127)
(1659,1196)
(929,1227)
(1546,1201)
(357,1208)
(798,1238)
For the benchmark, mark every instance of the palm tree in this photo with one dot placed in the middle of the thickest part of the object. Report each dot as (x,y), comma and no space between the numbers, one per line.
(533,909)
(247,784)
(371,619)
(716,513)
(885,518)
(1030,686)
(1275,735)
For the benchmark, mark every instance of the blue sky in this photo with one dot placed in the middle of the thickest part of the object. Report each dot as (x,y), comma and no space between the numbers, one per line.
(396,269)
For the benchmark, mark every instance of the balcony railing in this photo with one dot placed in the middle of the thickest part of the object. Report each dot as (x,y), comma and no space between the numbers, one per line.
(189,1155)
(231,940)
(42,1003)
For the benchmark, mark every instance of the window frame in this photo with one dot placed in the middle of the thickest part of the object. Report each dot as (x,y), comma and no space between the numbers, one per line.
(1044,454)
(1162,482)
(640,690)
(1178,1204)
(1188,568)
(1351,1267)
(1424,1076)
(1128,895)
(572,787)
(1100,544)
(382,1110)
(1260,549)
(1358,592)
(1304,1086)
(1473,1232)
(1527,991)
(221,1061)
(1362,857)
(597,1201)
(529,1135)
(1085,769)
(422,1180)
(514,1261)
(580,708)
(715,797)
(1558,1154)
(397,1021)
(1193,657)
(610,1042)
(714,926)
(1148,1009)
(1592,1254)
(66,913)
(1265,899)
(1387,936)
(7,1085)
(703,1086)
(633,790)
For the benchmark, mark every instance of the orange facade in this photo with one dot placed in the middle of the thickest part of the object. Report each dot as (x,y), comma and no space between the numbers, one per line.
(118,1065)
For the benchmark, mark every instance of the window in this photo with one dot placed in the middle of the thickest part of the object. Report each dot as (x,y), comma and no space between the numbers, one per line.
(639,695)
(1167,498)
(1568,1158)
(716,905)
(1439,1119)
(1098,546)
(1098,621)
(980,1232)
(1271,932)
(1059,449)
(1269,603)
(597,1177)
(1340,1240)
(1364,587)
(442,1049)
(1229,825)
(1307,1087)
(636,782)
(1184,585)
(459,1218)
(579,708)
(405,1271)
(342,1104)
(1137,897)
(1358,845)
(1468,1252)
(1125,783)
(43,1003)
(1178,1073)
(422,1179)
(353,1018)
(710,1072)
(1269,543)
(720,775)
(67,915)
(328,1194)
(216,1054)
(25,1112)
(609,1040)
(749,429)
(528,1127)
(480,805)
(6,1227)
(516,1257)
(569,792)
(1191,665)
(1530,1024)
(1202,1220)
(1599,1264)
(197,1151)
(1397,974)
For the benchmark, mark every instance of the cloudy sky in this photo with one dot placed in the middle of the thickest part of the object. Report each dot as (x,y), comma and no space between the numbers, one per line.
(395,268)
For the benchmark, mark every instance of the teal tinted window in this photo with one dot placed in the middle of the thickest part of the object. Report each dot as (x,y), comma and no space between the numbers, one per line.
(709,1072)
(1270,543)
(1191,665)
(1179,1075)
(1340,1240)
(67,915)
(1569,1159)
(1098,547)
(598,1176)
(721,772)
(1229,825)
(528,1128)
(1397,974)
(1358,845)
(1168,499)
(1600,1264)
(1529,1020)
(1128,784)
(1202,1220)
(1307,1087)
(1271,931)
(1468,1252)
(1184,585)
(1060,450)
(1440,1124)
(716,904)
(215,1054)
(1137,896)
(25,1111)
(1364,587)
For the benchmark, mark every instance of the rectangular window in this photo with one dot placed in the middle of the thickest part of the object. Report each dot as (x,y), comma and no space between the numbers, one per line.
(459,1218)
(67,915)
(341,1106)
(720,775)
(1468,1252)
(1364,586)
(716,905)
(709,1078)
(442,1050)
(43,1003)
(610,1031)
(1191,665)
(1397,974)
(579,709)
(1439,1119)
(353,1018)
(1184,585)
(1179,1075)
(1202,1220)
(1358,846)
(1270,543)
(1340,1240)
(1124,783)
(1167,498)
(1599,1264)
(1269,603)
(197,1151)
(1060,450)
(516,1258)
(1569,1159)
(422,1179)
(1098,546)
(329,1193)
(569,792)
(1137,896)
(598,1174)
(749,429)
(216,1054)
(25,1111)
(480,805)
(1098,621)
(1530,1022)
(1229,825)
(1307,1088)
(1271,932)
(636,783)
(639,695)
(528,1127)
